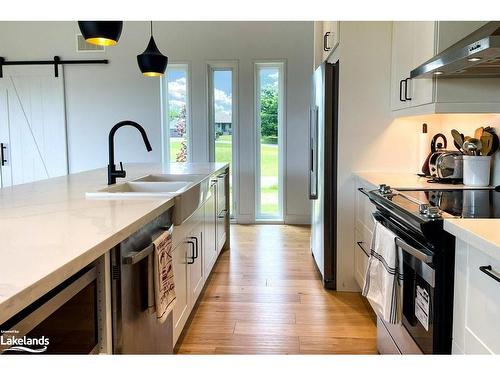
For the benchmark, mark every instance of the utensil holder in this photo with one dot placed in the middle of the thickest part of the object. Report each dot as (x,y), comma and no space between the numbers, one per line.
(477,170)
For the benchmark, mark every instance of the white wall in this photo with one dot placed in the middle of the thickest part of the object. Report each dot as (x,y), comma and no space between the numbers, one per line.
(98,96)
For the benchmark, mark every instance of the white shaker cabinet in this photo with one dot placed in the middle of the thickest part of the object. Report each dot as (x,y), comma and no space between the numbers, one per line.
(413,43)
(363,228)
(196,246)
(210,233)
(326,40)
(476,311)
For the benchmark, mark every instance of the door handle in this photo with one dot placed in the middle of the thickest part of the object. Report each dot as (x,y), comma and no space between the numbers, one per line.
(406,89)
(325,42)
(488,270)
(401,99)
(2,155)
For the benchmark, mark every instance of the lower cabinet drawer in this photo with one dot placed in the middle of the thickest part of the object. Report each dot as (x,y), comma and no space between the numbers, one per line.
(483,304)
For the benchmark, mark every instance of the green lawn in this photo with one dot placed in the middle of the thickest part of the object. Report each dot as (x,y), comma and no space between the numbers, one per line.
(269,167)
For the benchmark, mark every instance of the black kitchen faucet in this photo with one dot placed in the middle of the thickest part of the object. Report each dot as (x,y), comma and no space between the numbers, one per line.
(113,173)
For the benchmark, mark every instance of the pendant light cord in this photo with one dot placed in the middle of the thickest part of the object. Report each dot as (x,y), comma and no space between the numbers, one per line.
(151,28)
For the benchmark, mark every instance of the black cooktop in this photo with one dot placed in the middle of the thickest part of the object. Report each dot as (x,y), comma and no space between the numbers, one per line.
(463,203)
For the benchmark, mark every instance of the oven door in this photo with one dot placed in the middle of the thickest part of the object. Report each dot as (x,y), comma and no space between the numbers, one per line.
(418,301)
(418,282)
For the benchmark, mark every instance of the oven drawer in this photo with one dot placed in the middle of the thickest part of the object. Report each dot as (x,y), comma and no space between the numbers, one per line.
(477,301)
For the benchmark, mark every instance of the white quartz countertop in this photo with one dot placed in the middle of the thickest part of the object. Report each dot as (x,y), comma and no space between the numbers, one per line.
(49,230)
(483,234)
(405,181)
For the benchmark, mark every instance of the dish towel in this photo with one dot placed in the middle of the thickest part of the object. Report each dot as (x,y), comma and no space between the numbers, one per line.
(384,275)
(164,275)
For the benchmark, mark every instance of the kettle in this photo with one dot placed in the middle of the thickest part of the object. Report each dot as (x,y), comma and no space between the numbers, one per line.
(435,146)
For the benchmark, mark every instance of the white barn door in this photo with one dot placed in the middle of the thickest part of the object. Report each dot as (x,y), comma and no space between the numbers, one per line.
(32,124)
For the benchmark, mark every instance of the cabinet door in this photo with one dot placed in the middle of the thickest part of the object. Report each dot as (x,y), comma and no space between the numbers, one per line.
(181,279)
(401,62)
(361,256)
(195,260)
(422,90)
(222,211)
(330,38)
(210,231)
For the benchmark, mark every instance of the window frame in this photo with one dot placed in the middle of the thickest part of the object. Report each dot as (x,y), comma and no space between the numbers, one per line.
(280,64)
(165,125)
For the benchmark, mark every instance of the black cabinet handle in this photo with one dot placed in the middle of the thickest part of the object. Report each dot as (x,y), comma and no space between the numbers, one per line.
(325,42)
(191,257)
(2,155)
(196,247)
(406,89)
(361,190)
(401,99)
(362,248)
(488,270)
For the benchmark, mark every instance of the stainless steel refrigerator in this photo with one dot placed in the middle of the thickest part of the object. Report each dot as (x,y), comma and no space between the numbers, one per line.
(323,170)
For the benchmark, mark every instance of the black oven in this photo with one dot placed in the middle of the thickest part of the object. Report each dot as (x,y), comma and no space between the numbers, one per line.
(427,290)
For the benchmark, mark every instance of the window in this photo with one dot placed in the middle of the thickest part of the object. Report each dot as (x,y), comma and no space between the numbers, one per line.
(269,125)
(176,116)
(222,114)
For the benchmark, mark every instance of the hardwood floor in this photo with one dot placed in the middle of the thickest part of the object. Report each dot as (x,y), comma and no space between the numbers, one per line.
(265,297)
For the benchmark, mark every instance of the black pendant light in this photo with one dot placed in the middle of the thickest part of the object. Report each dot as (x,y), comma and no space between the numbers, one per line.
(152,62)
(102,33)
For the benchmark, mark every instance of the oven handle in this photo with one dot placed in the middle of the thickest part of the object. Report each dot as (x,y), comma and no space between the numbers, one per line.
(420,255)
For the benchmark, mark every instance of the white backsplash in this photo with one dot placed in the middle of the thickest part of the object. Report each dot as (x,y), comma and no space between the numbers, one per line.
(464,123)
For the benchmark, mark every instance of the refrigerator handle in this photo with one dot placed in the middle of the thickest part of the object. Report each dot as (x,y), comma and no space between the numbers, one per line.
(313,167)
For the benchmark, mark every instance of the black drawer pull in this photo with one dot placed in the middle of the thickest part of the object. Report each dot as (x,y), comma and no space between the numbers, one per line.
(325,42)
(193,252)
(401,99)
(362,190)
(362,248)
(406,89)
(488,270)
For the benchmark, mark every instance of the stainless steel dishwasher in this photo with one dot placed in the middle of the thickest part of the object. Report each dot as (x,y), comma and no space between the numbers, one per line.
(136,330)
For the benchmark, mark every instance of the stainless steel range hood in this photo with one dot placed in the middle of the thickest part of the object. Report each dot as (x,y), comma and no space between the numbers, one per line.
(477,55)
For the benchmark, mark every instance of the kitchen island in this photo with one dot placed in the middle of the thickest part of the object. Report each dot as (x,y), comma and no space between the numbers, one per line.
(50,230)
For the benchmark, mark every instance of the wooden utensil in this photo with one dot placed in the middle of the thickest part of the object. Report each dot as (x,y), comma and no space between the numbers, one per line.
(496,142)
(479,132)
(457,137)
(487,143)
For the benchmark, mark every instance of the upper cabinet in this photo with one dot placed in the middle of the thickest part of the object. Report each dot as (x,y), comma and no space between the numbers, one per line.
(414,42)
(326,39)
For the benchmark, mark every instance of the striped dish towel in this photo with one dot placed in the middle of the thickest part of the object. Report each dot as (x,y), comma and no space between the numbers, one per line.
(164,275)
(384,275)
